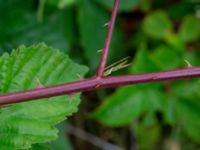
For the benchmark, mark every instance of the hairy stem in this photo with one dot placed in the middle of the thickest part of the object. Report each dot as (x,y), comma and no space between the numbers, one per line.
(95,83)
(105,50)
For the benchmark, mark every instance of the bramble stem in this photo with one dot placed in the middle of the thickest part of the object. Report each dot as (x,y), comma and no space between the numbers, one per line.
(96,83)
(99,81)
(108,40)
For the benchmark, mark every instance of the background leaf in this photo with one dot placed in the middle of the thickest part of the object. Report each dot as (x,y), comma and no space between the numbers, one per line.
(189,30)
(157,25)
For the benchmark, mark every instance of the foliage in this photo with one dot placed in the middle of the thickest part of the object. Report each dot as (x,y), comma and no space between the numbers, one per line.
(157,35)
(33,122)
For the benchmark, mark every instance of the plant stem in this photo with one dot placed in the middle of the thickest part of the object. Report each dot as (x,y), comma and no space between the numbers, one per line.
(96,83)
(99,81)
(108,40)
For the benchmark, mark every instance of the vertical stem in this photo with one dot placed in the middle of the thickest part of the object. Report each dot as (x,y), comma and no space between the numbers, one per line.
(40,11)
(108,40)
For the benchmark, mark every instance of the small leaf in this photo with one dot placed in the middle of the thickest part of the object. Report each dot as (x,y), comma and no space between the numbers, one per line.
(157,25)
(188,113)
(190,30)
(143,62)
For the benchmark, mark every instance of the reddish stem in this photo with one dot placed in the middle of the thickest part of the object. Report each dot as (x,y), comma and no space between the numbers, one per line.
(95,83)
(99,81)
(108,40)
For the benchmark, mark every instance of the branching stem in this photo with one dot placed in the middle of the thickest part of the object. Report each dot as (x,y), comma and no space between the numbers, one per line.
(105,50)
(99,81)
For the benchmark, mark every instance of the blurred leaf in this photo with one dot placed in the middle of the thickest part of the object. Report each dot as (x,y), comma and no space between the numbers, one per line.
(39,147)
(117,111)
(64,3)
(12,21)
(143,62)
(190,30)
(62,143)
(187,90)
(157,25)
(181,8)
(20,26)
(60,3)
(125,5)
(127,104)
(170,110)
(189,114)
(167,58)
(51,31)
(147,136)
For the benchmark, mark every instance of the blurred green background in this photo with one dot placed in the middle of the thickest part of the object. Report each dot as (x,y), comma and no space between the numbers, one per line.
(157,35)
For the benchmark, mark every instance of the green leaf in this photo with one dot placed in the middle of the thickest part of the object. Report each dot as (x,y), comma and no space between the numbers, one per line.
(189,115)
(55,30)
(167,58)
(190,30)
(33,122)
(170,109)
(127,104)
(147,136)
(60,3)
(187,90)
(157,25)
(39,147)
(143,62)
(125,5)
(64,3)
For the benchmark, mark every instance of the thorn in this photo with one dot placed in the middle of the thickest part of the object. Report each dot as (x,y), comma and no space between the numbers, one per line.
(155,78)
(99,51)
(97,86)
(108,72)
(39,84)
(71,97)
(126,65)
(79,76)
(188,63)
(107,24)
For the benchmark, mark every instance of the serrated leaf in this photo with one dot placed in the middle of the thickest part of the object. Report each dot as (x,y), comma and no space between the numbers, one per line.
(190,30)
(33,122)
(157,25)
